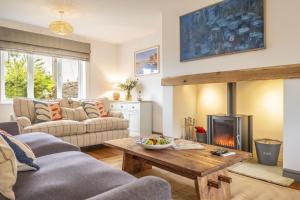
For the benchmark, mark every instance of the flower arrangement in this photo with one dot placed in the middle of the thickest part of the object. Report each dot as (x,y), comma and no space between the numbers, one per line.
(127,86)
(200,130)
(201,134)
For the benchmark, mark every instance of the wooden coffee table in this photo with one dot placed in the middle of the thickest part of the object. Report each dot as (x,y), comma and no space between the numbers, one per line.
(208,171)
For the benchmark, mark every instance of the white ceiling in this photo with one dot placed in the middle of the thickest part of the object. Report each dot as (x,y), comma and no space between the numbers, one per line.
(114,21)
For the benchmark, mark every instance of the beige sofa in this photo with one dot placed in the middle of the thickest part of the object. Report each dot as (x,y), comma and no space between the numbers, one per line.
(84,133)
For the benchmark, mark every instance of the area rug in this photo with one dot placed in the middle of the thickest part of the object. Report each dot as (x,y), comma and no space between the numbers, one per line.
(242,187)
(272,174)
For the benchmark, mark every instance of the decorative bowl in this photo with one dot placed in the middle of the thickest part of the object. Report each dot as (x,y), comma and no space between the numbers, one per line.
(144,144)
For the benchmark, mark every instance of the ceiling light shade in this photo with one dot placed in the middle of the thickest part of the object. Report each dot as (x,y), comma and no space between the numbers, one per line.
(61,27)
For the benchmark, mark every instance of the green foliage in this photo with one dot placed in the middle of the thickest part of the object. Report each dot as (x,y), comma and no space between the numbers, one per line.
(128,85)
(16,78)
(43,83)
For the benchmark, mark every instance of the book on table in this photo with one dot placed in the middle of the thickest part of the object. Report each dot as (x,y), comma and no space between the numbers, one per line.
(186,145)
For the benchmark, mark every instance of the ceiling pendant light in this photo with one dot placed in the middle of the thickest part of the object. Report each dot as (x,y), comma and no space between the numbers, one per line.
(61,27)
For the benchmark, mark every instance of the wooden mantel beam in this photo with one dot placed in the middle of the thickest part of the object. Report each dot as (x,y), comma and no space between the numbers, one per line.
(264,73)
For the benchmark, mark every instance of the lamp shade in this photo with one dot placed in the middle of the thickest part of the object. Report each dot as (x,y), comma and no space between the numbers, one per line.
(61,27)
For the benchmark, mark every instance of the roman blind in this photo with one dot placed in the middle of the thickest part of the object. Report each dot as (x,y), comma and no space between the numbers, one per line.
(17,40)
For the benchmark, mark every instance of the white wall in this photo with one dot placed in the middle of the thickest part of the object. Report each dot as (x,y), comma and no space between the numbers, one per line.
(282,45)
(291,147)
(151,87)
(185,105)
(100,71)
(264,101)
(102,68)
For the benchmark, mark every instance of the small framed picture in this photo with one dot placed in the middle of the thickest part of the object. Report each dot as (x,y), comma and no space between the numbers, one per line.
(147,61)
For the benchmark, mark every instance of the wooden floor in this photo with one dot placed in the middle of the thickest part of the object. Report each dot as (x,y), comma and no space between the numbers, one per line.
(114,157)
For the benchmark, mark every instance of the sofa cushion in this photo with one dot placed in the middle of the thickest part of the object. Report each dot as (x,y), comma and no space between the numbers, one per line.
(69,175)
(69,103)
(95,109)
(76,114)
(44,144)
(105,124)
(24,155)
(47,111)
(8,169)
(58,128)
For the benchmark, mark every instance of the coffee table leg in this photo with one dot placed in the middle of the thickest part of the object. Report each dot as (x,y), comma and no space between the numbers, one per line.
(213,186)
(133,164)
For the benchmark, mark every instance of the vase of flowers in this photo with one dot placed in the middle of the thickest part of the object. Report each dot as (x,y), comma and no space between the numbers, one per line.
(127,86)
(201,134)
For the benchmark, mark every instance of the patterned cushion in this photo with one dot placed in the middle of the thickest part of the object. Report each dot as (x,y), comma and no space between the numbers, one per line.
(95,109)
(24,108)
(47,111)
(25,156)
(77,114)
(58,128)
(105,124)
(8,169)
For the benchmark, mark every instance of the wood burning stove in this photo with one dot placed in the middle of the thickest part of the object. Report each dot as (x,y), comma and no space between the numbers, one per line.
(230,130)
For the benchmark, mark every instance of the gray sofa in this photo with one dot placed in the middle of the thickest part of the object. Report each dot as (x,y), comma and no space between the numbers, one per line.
(68,174)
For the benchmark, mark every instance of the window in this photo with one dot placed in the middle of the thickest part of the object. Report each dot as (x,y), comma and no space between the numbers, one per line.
(44,81)
(40,77)
(15,75)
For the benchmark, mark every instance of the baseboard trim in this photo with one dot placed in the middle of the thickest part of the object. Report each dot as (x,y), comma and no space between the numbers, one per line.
(292,174)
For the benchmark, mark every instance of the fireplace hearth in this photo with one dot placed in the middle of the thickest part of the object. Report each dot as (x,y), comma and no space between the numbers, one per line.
(230,130)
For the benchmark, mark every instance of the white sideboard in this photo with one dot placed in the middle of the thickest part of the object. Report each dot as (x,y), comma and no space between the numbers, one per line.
(139,114)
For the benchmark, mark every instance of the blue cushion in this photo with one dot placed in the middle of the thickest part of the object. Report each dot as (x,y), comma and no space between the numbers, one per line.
(20,154)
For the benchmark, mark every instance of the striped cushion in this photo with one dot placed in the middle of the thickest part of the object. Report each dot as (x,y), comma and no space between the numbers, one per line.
(58,128)
(105,124)
(8,170)
(47,111)
(77,114)
(69,103)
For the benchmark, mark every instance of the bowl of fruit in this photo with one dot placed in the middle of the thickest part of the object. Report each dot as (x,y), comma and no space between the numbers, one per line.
(157,143)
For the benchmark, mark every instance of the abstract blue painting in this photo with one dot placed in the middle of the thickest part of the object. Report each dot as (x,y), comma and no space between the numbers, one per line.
(223,28)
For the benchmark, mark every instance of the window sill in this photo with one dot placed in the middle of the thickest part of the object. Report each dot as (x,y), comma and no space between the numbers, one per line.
(6,102)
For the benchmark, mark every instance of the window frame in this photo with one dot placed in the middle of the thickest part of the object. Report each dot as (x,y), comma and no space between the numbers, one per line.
(56,64)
